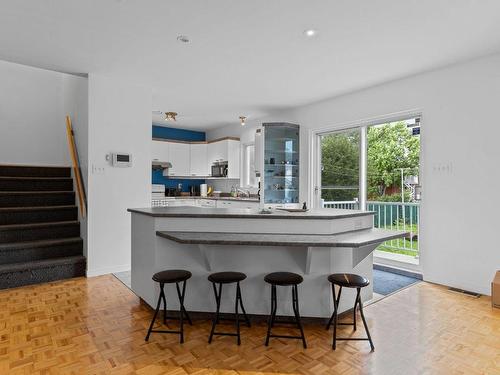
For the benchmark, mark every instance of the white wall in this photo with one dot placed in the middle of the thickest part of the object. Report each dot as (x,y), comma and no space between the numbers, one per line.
(33,105)
(75,102)
(459,216)
(119,121)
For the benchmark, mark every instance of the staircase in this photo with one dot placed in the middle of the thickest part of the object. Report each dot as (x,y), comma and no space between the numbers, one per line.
(39,229)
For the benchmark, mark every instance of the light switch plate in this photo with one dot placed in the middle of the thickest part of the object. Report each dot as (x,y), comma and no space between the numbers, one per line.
(97,169)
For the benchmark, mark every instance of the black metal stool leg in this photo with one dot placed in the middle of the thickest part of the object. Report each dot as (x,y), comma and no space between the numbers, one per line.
(274,304)
(154,316)
(335,314)
(216,318)
(164,303)
(236,314)
(242,308)
(295,304)
(181,307)
(364,323)
(355,307)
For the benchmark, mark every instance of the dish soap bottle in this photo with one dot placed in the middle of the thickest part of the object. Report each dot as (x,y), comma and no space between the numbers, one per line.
(233,191)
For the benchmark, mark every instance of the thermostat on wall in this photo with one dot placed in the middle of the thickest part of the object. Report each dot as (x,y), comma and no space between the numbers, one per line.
(120,160)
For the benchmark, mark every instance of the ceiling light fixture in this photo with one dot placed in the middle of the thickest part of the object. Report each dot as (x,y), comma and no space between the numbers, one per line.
(183,39)
(310,32)
(170,116)
(242,120)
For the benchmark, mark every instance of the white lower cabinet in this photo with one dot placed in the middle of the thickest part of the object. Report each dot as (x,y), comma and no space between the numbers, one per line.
(237,204)
(205,203)
(182,202)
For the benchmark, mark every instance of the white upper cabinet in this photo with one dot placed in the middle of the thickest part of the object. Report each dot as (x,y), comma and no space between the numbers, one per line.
(179,156)
(228,150)
(216,151)
(159,151)
(198,159)
(233,158)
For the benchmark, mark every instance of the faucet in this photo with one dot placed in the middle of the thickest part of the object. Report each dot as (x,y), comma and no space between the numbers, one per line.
(245,192)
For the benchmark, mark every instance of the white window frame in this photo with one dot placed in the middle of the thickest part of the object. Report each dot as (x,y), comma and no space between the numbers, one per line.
(314,172)
(245,175)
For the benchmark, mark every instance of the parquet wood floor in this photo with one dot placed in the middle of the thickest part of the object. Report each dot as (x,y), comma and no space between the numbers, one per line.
(97,326)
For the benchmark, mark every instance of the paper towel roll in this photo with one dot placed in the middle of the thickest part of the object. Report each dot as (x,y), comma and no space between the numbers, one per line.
(203,190)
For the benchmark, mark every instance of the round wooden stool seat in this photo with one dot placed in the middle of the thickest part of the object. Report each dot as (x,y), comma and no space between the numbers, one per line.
(226,277)
(348,280)
(283,278)
(171,276)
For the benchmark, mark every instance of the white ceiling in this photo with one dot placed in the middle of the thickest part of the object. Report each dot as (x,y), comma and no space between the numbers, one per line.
(246,57)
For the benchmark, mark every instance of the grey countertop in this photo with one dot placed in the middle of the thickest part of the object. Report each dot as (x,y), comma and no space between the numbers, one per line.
(242,199)
(206,212)
(351,239)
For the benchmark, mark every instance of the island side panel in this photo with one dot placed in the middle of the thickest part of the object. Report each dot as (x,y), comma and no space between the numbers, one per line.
(143,257)
(265,225)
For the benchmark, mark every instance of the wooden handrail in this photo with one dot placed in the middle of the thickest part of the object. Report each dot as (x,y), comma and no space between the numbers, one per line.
(76,167)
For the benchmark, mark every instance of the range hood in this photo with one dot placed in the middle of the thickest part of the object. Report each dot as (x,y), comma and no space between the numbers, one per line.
(161,164)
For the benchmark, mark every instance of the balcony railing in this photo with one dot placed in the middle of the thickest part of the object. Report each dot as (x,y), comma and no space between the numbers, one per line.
(391,215)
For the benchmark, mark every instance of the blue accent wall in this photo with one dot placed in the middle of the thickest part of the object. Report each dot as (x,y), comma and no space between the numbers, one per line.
(178,135)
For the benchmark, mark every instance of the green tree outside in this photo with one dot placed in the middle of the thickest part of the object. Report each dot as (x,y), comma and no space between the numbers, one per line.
(391,147)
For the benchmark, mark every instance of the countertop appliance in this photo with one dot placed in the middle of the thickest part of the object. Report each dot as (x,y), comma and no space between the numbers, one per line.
(158,191)
(220,169)
(172,192)
(194,190)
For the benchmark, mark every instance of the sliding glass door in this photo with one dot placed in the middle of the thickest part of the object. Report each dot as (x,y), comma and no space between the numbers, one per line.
(374,167)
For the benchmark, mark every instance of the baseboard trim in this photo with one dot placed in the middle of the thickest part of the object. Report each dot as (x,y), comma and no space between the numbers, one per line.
(107,270)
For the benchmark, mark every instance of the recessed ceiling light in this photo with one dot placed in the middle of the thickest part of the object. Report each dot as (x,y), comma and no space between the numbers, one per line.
(310,32)
(183,39)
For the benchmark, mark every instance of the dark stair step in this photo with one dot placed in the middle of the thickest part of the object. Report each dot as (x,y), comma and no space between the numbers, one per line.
(34,171)
(39,231)
(18,252)
(36,184)
(36,198)
(41,271)
(26,215)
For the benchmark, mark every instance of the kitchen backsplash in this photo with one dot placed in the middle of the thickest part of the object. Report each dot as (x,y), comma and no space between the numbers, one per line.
(224,185)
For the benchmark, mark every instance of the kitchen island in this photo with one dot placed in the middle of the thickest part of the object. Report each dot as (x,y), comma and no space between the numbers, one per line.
(204,240)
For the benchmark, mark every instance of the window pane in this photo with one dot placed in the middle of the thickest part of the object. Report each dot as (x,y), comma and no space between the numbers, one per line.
(340,169)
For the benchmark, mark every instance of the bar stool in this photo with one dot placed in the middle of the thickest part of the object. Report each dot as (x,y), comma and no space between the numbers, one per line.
(170,277)
(227,278)
(348,280)
(284,279)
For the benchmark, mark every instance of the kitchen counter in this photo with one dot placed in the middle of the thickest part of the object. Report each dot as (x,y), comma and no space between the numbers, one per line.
(199,212)
(353,239)
(244,199)
(313,244)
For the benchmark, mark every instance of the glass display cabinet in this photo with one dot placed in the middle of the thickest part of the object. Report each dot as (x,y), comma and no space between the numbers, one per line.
(280,172)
